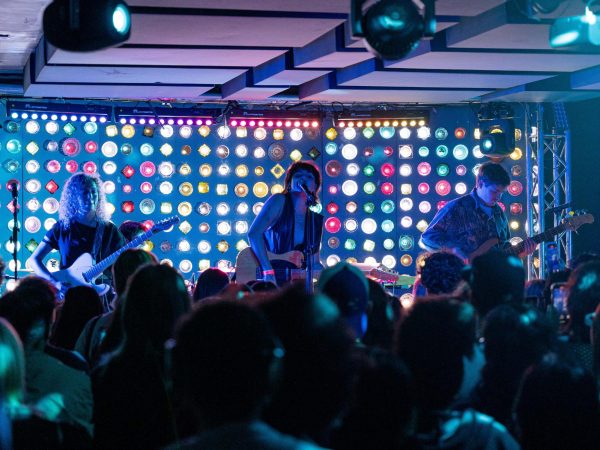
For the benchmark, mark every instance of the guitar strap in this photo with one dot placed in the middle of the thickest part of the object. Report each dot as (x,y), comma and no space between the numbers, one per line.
(98,242)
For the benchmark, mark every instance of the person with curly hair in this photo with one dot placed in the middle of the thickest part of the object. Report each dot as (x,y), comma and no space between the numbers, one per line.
(83,227)
(441,272)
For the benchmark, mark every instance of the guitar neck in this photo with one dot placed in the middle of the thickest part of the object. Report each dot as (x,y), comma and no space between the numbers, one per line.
(538,238)
(97,269)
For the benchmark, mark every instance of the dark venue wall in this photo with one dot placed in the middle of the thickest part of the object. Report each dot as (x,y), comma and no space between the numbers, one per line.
(584,123)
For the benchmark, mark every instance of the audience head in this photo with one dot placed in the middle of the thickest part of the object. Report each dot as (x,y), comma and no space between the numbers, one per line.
(29,308)
(131,229)
(210,282)
(156,297)
(558,407)
(382,317)
(441,272)
(80,305)
(496,278)
(348,288)
(583,258)
(224,361)
(12,364)
(126,265)
(318,368)
(584,297)
(436,340)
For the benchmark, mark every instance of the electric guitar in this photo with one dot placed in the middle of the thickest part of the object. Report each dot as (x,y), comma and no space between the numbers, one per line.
(287,268)
(569,224)
(84,271)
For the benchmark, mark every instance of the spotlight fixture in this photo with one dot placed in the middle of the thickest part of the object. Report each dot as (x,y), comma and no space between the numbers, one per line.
(86,25)
(164,115)
(497,129)
(59,111)
(581,31)
(403,118)
(392,28)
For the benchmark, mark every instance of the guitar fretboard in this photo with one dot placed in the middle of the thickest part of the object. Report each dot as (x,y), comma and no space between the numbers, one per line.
(538,238)
(97,269)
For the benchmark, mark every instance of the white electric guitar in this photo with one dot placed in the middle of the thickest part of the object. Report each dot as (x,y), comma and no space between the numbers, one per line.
(84,271)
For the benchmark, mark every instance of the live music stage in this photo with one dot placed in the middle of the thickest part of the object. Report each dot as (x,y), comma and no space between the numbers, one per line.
(206,131)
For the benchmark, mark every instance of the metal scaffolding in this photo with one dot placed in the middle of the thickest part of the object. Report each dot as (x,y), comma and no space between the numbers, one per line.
(548,160)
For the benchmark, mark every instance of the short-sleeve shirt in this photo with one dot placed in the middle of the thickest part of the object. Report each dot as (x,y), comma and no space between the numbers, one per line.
(78,239)
(465,224)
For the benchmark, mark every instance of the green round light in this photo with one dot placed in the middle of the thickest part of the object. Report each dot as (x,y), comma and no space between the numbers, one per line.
(423,151)
(69,129)
(369,207)
(387,132)
(406,242)
(460,152)
(441,134)
(369,188)
(441,151)
(350,244)
(11,126)
(13,146)
(12,165)
(387,206)
(368,132)
(90,127)
(369,170)
(126,149)
(443,170)
(331,148)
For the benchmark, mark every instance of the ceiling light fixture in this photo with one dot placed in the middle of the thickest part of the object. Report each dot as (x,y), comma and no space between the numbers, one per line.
(392,28)
(86,25)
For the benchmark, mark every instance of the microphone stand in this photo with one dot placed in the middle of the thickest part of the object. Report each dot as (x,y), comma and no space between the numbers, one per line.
(15,231)
(309,232)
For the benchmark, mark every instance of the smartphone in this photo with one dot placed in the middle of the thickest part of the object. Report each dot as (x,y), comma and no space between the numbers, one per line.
(559,297)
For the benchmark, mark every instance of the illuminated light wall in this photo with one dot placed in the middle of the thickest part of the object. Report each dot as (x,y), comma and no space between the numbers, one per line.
(381,185)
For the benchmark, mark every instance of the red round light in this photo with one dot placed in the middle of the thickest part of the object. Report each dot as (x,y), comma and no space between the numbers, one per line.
(333,225)
(127,206)
(332,208)
(368,151)
(460,133)
(128,171)
(443,187)
(387,188)
(387,170)
(423,188)
(515,188)
(71,166)
(441,204)
(388,151)
(516,208)
(53,166)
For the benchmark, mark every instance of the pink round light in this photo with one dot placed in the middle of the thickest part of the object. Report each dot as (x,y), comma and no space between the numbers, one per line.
(208,122)
(261,123)
(127,188)
(333,225)
(252,123)
(91,146)
(147,169)
(461,170)
(441,204)
(333,190)
(234,123)
(297,123)
(90,167)
(288,123)
(315,124)
(387,188)
(146,187)
(388,151)
(53,166)
(424,169)
(242,123)
(443,187)
(423,188)
(269,123)
(279,123)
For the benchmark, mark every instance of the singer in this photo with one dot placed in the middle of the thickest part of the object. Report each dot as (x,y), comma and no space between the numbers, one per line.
(282,225)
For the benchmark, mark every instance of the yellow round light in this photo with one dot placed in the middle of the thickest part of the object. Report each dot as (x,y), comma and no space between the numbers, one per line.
(185,170)
(203,187)
(406,260)
(260,189)
(276,189)
(204,150)
(205,170)
(204,130)
(222,246)
(166,149)
(241,190)
(278,134)
(128,131)
(516,154)
(259,171)
(186,189)
(296,155)
(331,134)
(241,170)
(184,208)
(241,132)
(112,131)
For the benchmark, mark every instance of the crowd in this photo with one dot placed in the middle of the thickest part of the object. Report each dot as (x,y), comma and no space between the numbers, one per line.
(482,359)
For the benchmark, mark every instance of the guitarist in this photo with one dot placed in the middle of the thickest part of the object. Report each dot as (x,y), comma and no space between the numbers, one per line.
(466,223)
(281,224)
(82,227)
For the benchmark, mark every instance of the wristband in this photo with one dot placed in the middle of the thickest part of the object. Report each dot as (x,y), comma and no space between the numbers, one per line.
(268,272)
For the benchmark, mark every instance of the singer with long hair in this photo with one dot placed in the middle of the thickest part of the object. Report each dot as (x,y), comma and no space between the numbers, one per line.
(282,226)
(82,227)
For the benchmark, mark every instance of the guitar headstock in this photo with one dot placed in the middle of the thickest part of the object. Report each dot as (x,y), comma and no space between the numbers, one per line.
(575,219)
(164,224)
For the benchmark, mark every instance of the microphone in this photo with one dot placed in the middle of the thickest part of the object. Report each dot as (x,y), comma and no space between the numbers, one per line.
(311,196)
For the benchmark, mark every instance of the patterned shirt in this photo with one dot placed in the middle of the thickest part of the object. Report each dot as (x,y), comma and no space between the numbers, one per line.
(464,224)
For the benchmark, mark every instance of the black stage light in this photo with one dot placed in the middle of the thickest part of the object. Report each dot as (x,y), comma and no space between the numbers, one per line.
(392,28)
(86,25)
(497,137)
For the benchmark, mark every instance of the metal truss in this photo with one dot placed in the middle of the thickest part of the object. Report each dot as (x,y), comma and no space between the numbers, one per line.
(548,148)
